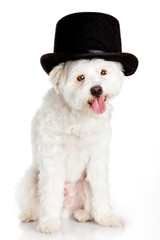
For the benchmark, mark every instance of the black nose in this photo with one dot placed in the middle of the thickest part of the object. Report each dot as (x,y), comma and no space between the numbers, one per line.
(96,91)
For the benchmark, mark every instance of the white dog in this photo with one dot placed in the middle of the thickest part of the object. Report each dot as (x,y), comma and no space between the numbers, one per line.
(70,136)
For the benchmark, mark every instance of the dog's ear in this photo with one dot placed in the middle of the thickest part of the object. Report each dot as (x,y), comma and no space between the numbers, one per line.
(55,75)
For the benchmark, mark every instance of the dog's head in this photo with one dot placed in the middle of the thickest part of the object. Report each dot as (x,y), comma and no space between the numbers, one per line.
(87,84)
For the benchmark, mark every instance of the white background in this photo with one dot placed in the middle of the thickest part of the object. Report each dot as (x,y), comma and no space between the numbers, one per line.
(26,33)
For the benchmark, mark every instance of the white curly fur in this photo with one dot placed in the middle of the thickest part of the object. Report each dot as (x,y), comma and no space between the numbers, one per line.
(70,144)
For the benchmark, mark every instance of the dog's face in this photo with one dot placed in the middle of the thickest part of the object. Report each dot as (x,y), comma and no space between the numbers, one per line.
(87,84)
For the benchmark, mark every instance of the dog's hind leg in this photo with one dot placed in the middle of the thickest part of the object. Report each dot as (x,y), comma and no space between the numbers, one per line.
(27,195)
(84,214)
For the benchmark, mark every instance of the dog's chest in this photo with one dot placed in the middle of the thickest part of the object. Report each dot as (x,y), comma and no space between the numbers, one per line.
(80,143)
(78,151)
(77,155)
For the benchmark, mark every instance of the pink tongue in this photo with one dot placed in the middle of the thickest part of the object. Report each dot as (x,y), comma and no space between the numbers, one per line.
(99,106)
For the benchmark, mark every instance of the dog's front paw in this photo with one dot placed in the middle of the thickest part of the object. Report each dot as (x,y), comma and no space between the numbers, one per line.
(49,226)
(111,221)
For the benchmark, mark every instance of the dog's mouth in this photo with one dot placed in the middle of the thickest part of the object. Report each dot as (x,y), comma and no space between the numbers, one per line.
(98,104)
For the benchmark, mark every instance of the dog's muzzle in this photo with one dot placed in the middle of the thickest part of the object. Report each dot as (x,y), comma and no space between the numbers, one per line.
(98,102)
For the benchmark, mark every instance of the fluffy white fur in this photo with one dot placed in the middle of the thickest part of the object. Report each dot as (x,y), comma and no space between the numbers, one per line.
(70,145)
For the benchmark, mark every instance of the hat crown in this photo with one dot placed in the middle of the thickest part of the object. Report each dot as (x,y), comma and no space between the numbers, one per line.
(82,32)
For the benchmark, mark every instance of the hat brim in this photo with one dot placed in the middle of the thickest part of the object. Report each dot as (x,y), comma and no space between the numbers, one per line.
(128,61)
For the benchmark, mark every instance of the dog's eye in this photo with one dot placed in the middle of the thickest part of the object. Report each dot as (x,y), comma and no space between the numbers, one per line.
(81,77)
(103,72)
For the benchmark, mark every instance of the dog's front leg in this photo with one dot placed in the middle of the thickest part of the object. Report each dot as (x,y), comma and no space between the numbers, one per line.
(51,193)
(97,175)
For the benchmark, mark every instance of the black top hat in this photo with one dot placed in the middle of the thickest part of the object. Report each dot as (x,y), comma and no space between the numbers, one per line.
(85,36)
